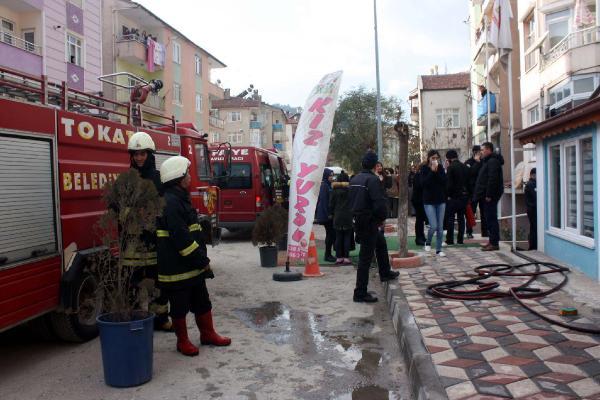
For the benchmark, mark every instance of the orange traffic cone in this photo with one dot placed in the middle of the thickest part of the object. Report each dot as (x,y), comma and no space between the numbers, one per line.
(311,269)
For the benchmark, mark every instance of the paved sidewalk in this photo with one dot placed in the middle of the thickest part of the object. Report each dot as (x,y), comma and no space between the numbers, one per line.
(496,349)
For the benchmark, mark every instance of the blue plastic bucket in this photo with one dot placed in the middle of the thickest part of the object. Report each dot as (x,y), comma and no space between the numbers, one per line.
(127,349)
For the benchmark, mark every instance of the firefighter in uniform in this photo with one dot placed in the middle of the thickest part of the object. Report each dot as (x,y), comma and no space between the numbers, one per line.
(369,208)
(141,150)
(183,264)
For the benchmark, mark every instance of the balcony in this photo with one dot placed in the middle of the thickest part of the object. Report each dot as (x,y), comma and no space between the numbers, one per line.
(255,125)
(277,127)
(216,122)
(132,49)
(19,54)
(482,109)
(154,101)
(574,40)
(279,146)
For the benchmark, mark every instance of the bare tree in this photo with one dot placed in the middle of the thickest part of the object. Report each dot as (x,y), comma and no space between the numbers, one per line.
(402,130)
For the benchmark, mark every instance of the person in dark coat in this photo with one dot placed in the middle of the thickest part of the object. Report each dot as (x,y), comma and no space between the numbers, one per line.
(433,178)
(417,202)
(183,263)
(473,165)
(369,209)
(531,203)
(141,150)
(456,189)
(342,218)
(323,217)
(488,189)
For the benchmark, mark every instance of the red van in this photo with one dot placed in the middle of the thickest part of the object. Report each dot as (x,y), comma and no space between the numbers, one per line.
(258,179)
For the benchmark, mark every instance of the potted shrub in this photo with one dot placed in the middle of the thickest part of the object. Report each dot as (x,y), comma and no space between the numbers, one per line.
(269,229)
(126,327)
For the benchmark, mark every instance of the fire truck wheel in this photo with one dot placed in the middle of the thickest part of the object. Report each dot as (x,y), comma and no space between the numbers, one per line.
(80,325)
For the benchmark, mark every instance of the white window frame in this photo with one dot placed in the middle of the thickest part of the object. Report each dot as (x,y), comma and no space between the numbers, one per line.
(198,64)
(198,102)
(447,113)
(81,46)
(216,137)
(572,95)
(535,108)
(176,53)
(177,95)
(568,18)
(564,232)
(236,113)
(29,46)
(235,137)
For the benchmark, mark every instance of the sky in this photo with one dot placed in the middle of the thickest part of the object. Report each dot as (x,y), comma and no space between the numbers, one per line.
(284,47)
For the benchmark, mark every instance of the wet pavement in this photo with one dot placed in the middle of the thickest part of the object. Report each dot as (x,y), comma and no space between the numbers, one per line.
(296,340)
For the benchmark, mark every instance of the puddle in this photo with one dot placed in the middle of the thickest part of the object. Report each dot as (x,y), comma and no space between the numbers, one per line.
(350,353)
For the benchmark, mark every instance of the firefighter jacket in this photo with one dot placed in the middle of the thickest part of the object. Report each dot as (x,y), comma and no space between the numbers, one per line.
(182,255)
(145,255)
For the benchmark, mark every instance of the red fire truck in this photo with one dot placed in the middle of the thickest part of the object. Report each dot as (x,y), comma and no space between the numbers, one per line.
(58,148)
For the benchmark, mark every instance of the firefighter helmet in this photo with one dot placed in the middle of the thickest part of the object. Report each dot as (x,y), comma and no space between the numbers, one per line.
(174,168)
(141,141)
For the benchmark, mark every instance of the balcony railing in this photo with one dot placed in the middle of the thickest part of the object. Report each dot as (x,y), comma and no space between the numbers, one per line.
(571,41)
(255,125)
(15,41)
(482,108)
(277,127)
(216,122)
(153,100)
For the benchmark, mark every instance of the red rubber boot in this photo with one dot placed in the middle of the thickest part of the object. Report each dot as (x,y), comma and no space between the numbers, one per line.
(207,331)
(184,346)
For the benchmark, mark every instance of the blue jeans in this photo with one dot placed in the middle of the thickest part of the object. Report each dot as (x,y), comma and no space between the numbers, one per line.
(435,215)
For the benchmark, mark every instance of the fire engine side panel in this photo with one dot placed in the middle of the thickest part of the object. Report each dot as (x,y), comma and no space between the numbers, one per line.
(92,152)
(18,116)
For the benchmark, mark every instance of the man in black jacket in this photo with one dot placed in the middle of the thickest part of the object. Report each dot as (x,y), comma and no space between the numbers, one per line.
(369,208)
(488,189)
(531,203)
(456,190)
(473,165)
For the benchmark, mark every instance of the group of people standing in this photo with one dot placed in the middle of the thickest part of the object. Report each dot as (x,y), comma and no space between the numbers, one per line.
(443,194)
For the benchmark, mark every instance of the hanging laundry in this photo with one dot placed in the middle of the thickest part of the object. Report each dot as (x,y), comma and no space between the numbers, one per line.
(150,47)
(159,54)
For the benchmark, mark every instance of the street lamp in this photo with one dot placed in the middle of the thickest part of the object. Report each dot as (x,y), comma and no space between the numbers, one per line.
(379,135)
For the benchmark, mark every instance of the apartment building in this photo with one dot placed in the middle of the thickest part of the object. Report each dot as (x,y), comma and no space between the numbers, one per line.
(57,38)
(250,122)
(137,41)
(441,106)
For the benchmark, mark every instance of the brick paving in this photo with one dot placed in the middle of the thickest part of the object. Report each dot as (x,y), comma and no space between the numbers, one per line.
(496,349)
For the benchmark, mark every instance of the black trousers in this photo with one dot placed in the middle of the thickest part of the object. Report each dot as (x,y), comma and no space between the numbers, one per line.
(343,243)
(474,205)
(532,216)
(420,220)
(159,305)
(194,298)
(490,209)
(329,237)
(372,242)
(455,209)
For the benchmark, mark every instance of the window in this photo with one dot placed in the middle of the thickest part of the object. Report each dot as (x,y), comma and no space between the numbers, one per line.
(202,160)
(198,102)
(78,3)
(570,94)
(531,59)
(235,137)
(7,29)
(198,65)
(216,137)
(447,118)
(29,38)
(74,55)
(177,93)
(176,53)
(571,190)
(530,28)
(583,85)
(557,24)
(241,176)
(235,116)
(533,115)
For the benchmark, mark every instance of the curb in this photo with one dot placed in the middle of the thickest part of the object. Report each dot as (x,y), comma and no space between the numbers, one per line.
(424,380)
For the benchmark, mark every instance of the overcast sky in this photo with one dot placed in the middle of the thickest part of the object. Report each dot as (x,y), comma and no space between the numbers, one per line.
(284,47)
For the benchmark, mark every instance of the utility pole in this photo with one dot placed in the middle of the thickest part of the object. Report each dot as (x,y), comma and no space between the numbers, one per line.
(379,134)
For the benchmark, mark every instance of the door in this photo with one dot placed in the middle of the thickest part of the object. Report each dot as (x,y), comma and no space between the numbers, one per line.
(237,195)
(29,38)
(267,180)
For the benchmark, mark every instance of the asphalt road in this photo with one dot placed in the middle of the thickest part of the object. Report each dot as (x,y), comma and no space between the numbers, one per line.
(299,340)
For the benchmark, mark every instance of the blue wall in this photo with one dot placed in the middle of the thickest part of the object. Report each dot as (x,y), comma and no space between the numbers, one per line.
(583,258)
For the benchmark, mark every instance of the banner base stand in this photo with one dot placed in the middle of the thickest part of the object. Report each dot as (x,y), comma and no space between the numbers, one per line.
(287,275)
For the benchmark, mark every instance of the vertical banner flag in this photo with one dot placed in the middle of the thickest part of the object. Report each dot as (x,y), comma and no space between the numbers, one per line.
(309,153)
(500,30)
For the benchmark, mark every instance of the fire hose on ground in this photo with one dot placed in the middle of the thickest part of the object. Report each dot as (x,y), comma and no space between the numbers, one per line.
(486,290)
